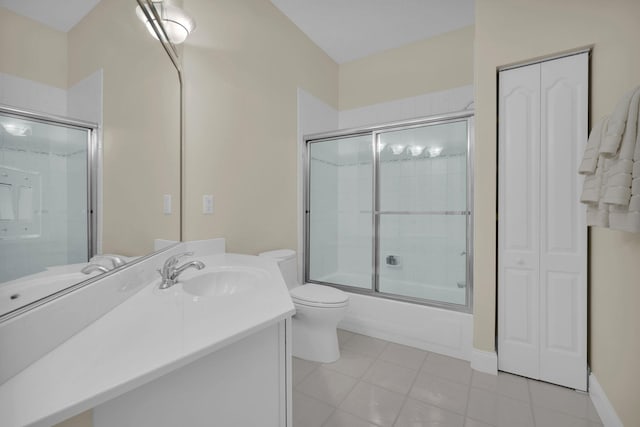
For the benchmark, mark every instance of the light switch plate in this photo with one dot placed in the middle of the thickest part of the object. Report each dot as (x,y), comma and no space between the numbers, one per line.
(166,204)
(207,204)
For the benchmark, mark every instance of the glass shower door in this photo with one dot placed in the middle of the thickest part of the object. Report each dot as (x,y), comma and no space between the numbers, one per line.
(339,211)
(44,196)
(422,212)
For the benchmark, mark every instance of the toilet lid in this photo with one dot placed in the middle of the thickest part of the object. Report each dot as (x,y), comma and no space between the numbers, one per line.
(310,294)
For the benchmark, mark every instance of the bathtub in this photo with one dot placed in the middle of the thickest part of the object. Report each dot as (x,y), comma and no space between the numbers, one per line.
(450,294)
(429,328)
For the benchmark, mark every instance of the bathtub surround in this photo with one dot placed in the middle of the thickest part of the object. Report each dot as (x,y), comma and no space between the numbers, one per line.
(428,328)
(389,319)
(32,95)
(424,105)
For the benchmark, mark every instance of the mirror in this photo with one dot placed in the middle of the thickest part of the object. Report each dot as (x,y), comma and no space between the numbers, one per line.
(96,169)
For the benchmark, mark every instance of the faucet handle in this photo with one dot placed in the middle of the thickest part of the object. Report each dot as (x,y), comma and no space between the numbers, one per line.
(172,261)
(116,259)
(176,257)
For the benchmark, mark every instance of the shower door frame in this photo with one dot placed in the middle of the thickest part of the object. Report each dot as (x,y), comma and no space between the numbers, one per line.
(375,131)
(92,162)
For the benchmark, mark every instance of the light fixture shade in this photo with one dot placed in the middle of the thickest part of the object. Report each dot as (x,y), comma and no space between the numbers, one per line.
(416,150)
(397,148)
(16,129)
(176,22)
(434,151)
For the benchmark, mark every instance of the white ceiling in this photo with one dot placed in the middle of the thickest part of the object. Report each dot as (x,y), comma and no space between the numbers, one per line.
(61,15)
(344,29)
(352,29)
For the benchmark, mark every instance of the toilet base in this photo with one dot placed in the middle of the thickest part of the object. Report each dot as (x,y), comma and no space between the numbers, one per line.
(316,339)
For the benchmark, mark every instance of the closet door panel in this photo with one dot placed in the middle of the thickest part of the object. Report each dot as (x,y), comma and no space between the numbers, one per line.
(518,225)
(563,244)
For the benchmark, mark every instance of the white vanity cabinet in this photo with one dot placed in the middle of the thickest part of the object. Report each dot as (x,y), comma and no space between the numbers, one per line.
(243,384)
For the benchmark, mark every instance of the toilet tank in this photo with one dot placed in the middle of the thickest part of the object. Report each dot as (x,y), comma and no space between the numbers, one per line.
(288,265)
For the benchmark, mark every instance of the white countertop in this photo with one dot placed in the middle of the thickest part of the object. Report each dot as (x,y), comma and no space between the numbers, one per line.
(150,334)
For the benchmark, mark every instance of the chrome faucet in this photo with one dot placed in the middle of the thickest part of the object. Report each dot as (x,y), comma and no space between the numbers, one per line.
(95,265)
(170,272)
(116,260)
(90,268)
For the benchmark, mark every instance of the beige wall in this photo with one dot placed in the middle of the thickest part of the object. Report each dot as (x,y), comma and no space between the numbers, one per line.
(431,65)
(141,113)
(32,51)
(517,30)
(243,66)
(85,419)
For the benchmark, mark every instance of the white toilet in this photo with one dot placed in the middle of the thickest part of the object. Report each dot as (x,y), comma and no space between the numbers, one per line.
(318,311)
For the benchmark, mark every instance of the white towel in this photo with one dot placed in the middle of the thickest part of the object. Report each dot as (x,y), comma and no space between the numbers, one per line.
(617,125)
(592,150)
(591,189)
(618,187)
(593,165)
(597,210)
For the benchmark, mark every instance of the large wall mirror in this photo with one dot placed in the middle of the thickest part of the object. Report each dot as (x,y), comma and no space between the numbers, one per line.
(89,144)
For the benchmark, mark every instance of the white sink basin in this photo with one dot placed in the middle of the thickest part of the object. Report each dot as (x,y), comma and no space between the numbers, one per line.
(224,281)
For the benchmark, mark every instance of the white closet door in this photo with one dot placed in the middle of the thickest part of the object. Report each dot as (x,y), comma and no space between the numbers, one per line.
(542,241)
(563,238)
(518,224)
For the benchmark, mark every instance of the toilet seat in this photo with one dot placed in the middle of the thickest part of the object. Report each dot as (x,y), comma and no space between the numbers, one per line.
(319,296)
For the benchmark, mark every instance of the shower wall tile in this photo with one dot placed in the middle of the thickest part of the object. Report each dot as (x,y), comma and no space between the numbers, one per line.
(33,96)
(84,99)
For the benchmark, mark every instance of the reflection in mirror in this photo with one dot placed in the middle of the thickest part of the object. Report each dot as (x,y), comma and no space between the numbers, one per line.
(114,97)
(44,221)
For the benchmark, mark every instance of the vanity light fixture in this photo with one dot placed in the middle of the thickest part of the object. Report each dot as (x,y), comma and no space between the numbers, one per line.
(416,150)
(434,151)
(397,149)
(176,22)
(381,146)
(16,129)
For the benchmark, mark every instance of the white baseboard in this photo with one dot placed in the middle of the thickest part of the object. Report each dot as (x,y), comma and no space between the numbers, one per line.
(484,361)
(604,408)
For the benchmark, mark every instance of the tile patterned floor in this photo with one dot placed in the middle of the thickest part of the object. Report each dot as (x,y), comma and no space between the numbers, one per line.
(381,384)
